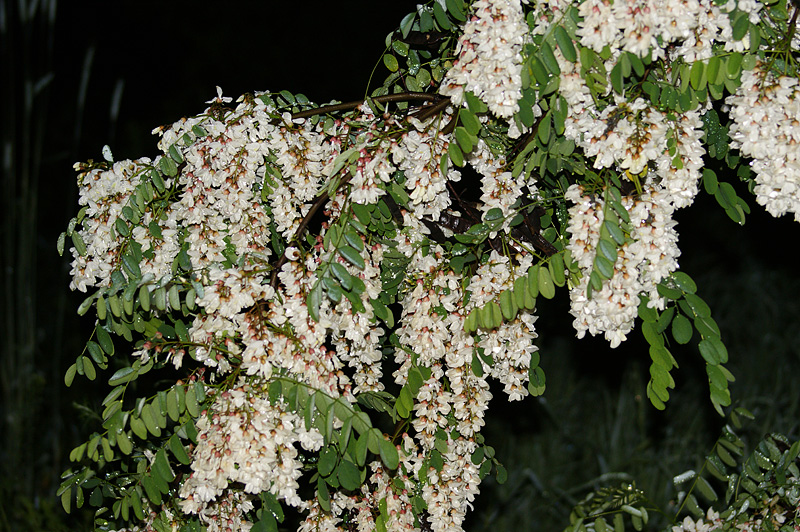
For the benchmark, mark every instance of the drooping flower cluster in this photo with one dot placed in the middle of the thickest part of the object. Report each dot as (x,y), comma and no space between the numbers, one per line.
(511,345)
(766,127)
(500,189)
(249,439)
(635,137)
(641,27)
(649,256)
(418,154)
(103,192)
(489,57)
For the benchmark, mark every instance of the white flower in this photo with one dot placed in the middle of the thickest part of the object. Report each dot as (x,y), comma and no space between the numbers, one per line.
(220,98)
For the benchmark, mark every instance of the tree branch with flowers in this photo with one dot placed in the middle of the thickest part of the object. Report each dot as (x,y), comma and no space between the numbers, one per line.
(317,297)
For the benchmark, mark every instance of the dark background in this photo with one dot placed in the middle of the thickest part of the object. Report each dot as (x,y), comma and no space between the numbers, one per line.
(109,72)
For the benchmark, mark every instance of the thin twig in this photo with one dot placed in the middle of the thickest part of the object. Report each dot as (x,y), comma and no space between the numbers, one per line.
(300,228)
(386,98)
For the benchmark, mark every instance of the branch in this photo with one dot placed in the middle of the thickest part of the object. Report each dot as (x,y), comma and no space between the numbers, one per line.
(793,24)
(386,98)
(440,103)
(319,202)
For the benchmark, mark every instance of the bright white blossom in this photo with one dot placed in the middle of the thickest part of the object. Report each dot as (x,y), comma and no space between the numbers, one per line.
(489,57)
(649,257)
(766,127)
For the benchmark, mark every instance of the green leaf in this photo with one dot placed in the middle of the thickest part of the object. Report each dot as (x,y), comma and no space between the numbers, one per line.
(734,65)
(647,314)
(740,25)
(96,352)
(122,376)
(151,489)
(456,9)
(314,300)
(557,268)
(168,167)
(696,75)
(709,351)
(604,267)
(178,450)
(539,71)
(150,420)
(138,427)
(88,369)
(684,282)
(502,474)
(352,256)
(391,62)
(544,128)
(407,23)
(441,16)
(288,96)
(77,241)
(161,466)
(474,104)
(348,474)
(615,232)
(327,461)
(698,306)
(389,454)
(175,153)
(353,238)
(549,58)
(565,44)
(469,121)
(607,249)
(266,523)
(192,404)
(681,329)
(545,283)
(455,154)
(616,77)
(104,340)
(464,139)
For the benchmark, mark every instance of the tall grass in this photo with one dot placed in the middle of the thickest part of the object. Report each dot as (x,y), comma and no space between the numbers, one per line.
(33,303)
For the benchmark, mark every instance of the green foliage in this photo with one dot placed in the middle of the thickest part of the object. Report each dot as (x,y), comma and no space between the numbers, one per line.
(761,489)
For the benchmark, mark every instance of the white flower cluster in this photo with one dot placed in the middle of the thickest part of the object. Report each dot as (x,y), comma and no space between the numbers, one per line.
(710,522)
(634,137)
(246,438)
(500,189)
(302,155)
(449,492)
(649,256)
(104,193)
(640,27)
(419,154)
(227,514)
(510,345)
(678,175)
(766,127)
(355,335)
(489,57)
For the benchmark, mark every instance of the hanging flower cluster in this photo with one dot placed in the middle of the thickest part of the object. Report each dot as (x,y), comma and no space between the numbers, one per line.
(766,127)
(328,292)
(489,57)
